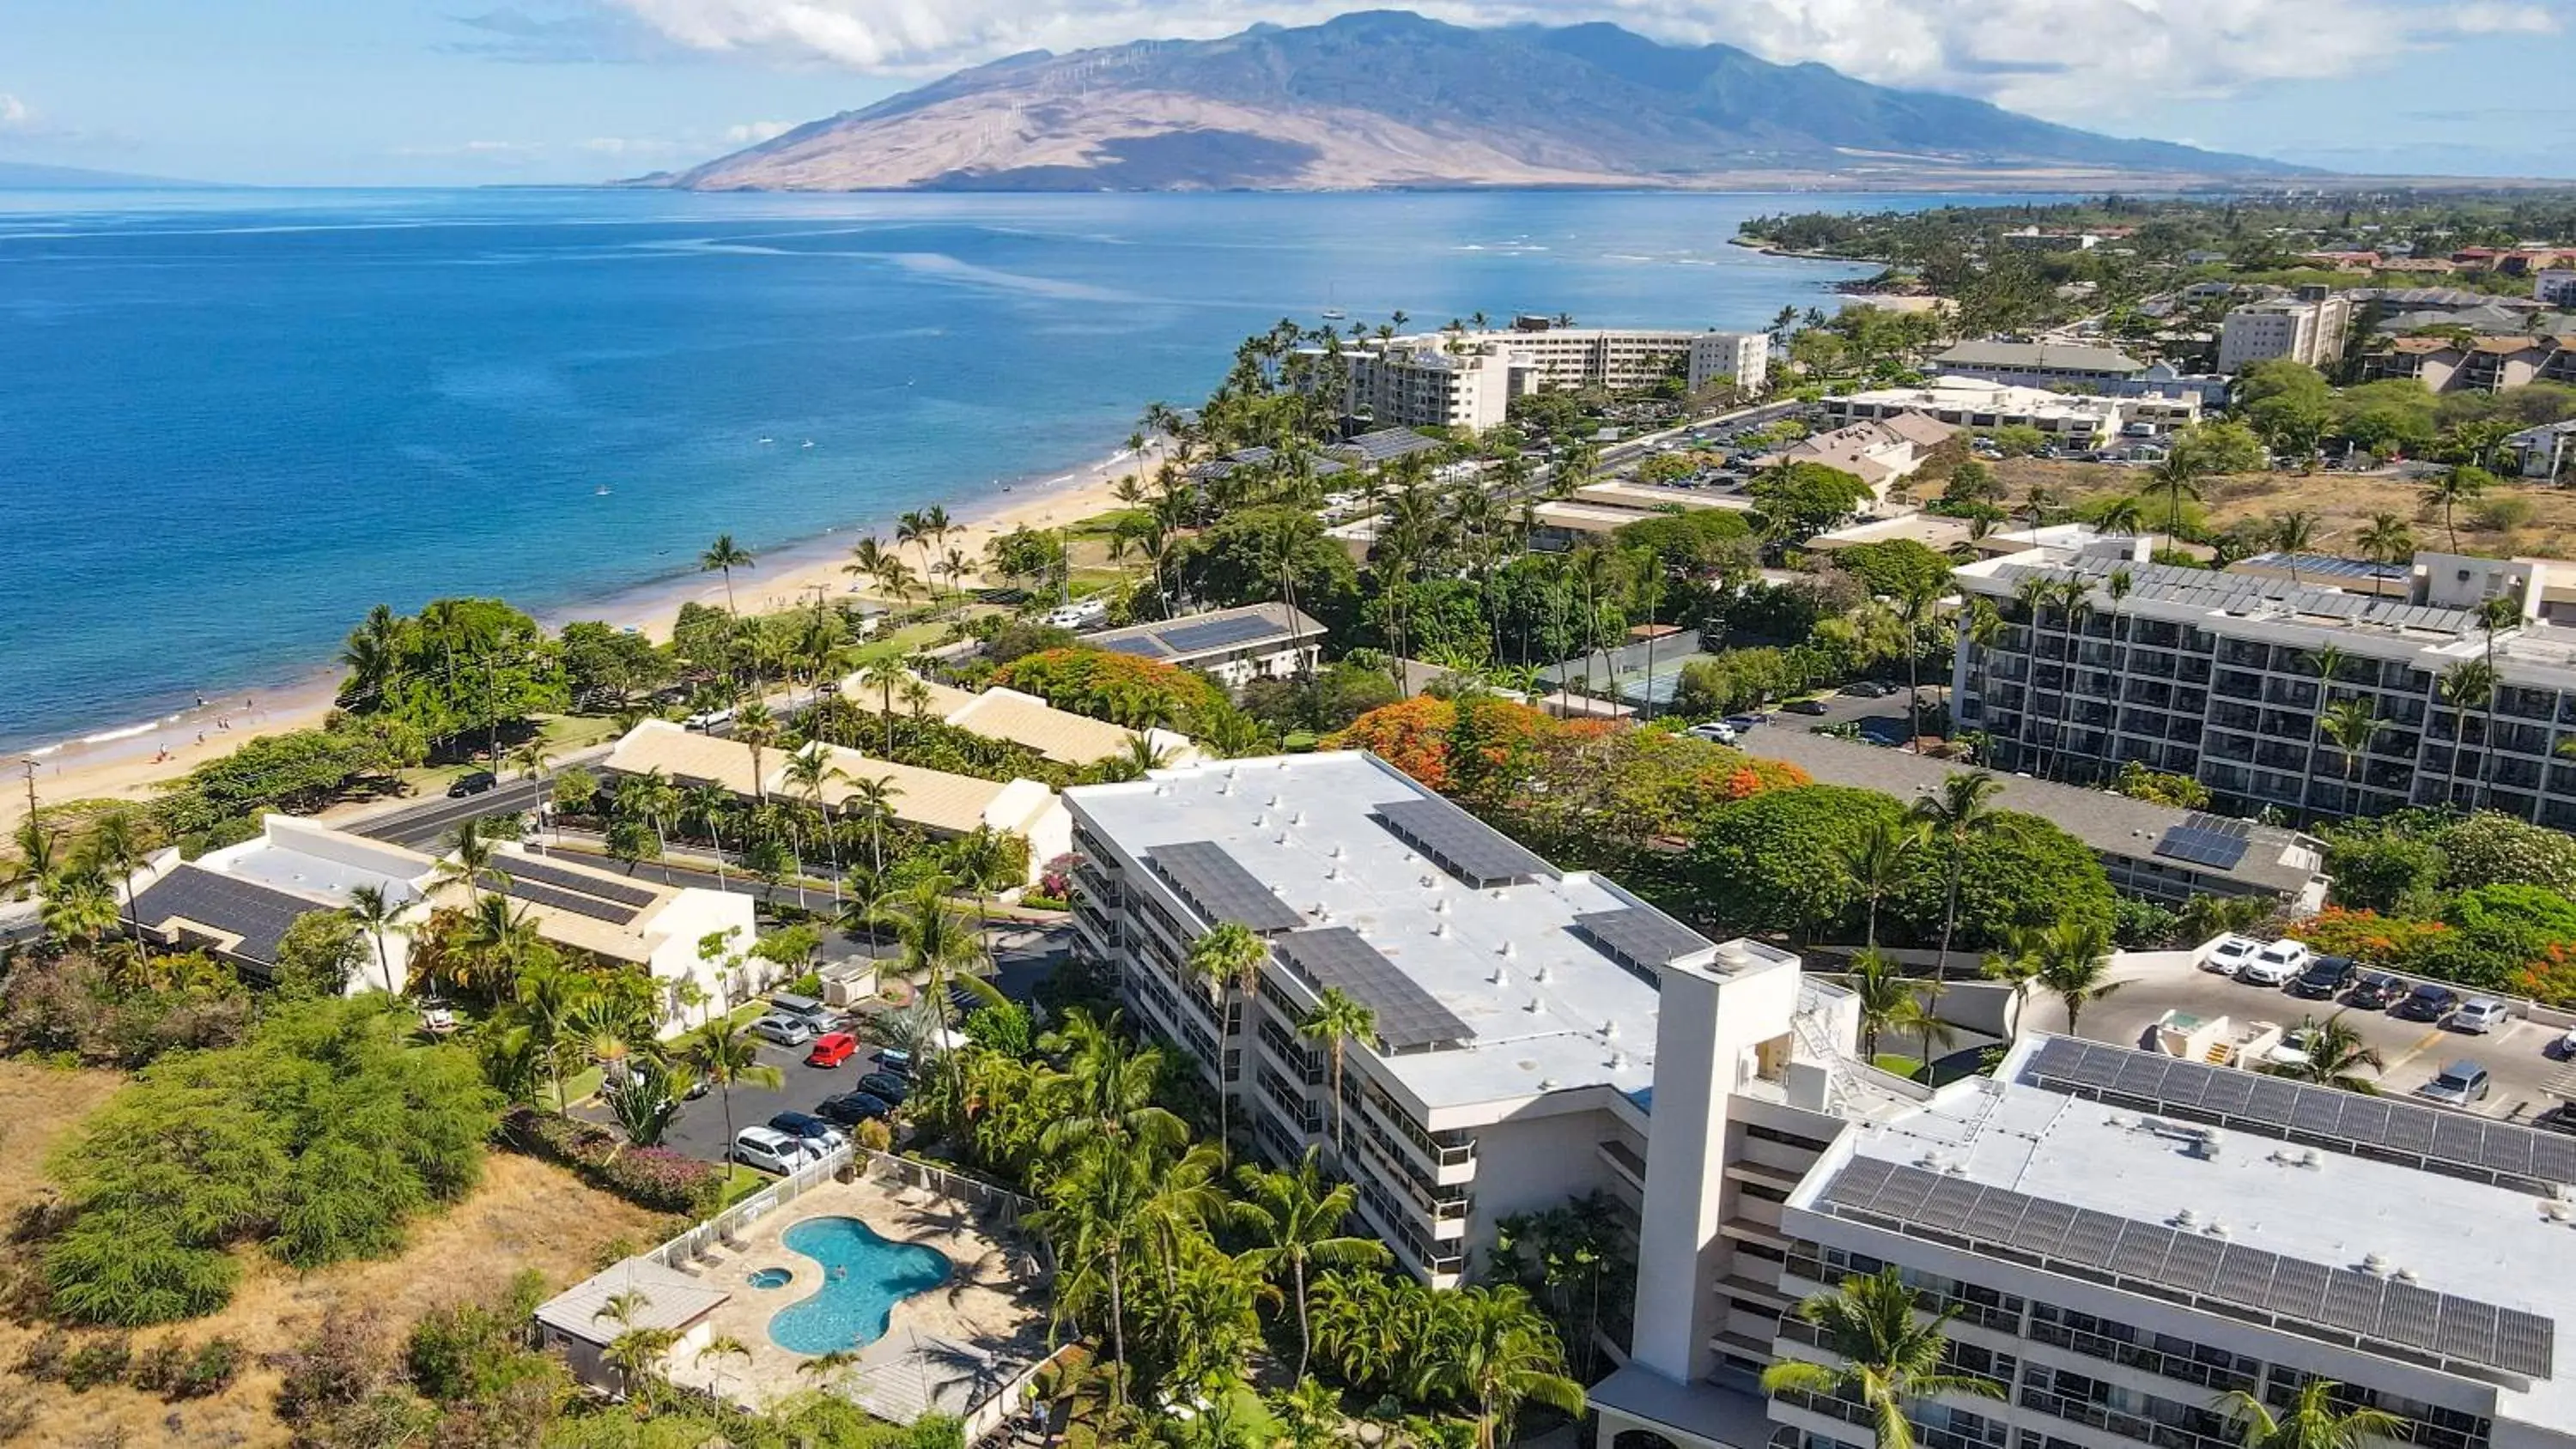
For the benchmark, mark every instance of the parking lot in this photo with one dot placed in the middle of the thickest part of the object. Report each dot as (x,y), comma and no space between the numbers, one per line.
(2518,1057)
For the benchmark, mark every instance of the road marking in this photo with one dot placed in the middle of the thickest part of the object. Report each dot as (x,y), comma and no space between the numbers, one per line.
(2421,1047)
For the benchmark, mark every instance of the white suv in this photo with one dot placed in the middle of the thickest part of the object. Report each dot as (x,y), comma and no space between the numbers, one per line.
(2278,964)
(2228,954)
(771,1150)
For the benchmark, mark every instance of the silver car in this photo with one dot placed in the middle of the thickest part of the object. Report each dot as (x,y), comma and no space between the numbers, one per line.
(785,1030)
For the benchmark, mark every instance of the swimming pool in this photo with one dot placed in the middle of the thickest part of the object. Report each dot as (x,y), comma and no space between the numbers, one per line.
(864,1277)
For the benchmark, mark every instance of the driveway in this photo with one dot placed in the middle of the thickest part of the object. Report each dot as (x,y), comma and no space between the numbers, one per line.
(699,1129)
(2516,1058)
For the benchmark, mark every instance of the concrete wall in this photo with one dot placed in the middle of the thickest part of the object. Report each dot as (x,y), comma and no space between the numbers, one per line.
(1533,1163)
(685,921)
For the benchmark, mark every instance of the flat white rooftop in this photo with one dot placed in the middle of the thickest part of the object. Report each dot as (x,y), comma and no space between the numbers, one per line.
(2490,1242)
(1544,1008)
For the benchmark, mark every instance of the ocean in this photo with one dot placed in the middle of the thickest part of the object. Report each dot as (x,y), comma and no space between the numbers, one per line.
(232,421)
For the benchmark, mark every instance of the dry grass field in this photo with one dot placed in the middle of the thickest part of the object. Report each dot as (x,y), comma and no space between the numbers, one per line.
(525,1214)
(2344,504)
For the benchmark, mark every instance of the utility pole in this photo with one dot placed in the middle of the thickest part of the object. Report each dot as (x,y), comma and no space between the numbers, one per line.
(27,767)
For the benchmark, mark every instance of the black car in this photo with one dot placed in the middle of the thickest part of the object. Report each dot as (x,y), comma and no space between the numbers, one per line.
(887,1085)
(2376,991)
(803,1124)
(2325,978)
(2429,1002)
(472,782)
(852,1108)
(1804,706)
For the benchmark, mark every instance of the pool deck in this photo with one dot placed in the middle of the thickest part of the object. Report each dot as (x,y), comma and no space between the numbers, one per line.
(942,1351)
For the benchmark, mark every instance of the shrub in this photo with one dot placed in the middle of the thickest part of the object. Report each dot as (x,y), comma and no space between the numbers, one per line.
(2392,941)
(158,1367)
(2502,515)
(332,1369)
(2490,848)
(42,1358)
(211,1369)
(649,1177)
(99,1361)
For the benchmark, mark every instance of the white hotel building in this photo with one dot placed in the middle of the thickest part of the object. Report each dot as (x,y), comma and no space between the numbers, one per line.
(1466,380)
(2128,1236)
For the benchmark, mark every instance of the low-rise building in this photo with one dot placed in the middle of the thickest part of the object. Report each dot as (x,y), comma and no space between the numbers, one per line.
(2308,328)
(1966,402)
(2040,364)
(1232,646)
(1881,450)
(2554,286)
(2482,364)
(939,804)
(2547,451)
(236,903)
(1021,719)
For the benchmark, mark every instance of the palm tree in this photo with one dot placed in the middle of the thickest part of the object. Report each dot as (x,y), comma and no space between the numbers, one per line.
(1882,991)
(2074,602)
(2335,1056)
(635,1353)
(939,943)
(1893,1350)
(2293,533)
(1492,1349)
(2350,725)
(115,847)
(707,802)
(2176,477)
(1879,862)
(2462,687)
(2328,663)
(497,940)
(721,1347)
(1920,1013)
(2122,513)
(2387,539)
(2016,964)
(757,729)
(809,773)
(376,914)
(1095,1215)
(1296,1220)
(723,557)
(2454,487)
(828,1370)
(2494,617)
(1957,813)
(723,1053)
(471,861)
(1228,958)
(1339,1019)
(2073,959)
(2311,1422)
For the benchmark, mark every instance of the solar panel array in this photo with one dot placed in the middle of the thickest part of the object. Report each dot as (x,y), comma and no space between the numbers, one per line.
(539,893)
(1466,847)
(2455,1142)
(625,893)
(1640,936)
(1221,633)
(1218,887)
(1143,645)
(2314,1298)
(1386,443)
(254,913)
(1407,1016)
(2329,566)
(2211,840)
(2249,594)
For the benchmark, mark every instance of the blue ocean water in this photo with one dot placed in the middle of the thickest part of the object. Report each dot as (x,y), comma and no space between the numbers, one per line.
(232,421)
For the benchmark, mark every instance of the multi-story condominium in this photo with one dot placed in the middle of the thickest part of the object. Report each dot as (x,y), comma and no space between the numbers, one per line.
(1517,1028)
(1466,380)
(2555,286)
(2040,364)
(2215,675)
(2485,364)
(2309,328)
(1967,402)
(2546,451)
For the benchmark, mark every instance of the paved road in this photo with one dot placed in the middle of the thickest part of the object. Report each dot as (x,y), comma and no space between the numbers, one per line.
(432,821)
(2517,1057)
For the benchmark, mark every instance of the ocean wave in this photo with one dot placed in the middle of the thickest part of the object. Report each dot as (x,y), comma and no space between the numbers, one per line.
(127,732)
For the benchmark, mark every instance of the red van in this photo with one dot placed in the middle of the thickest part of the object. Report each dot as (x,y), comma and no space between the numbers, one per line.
(831,1049)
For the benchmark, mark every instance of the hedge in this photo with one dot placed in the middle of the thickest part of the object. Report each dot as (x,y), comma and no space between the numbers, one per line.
(649,1177)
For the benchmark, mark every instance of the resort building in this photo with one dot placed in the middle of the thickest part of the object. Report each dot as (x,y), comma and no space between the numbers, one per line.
(2214,675)
(940,804)
(1232,646)
(1466,380)
(2309,328)
(2040,364)
(2071,422)
(1881,450)
(1516,1037)
(1026,720)
(2483,364)
(236,903)
(2547,451)
(2151,851)
(1598,510)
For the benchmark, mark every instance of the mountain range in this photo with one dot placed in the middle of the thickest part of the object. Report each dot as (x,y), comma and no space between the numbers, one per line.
(28,176)
(1389,99)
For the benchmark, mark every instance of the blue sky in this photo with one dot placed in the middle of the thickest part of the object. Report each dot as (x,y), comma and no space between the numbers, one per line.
(436,92)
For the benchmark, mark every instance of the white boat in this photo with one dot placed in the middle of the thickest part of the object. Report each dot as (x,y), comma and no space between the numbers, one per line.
(599,492)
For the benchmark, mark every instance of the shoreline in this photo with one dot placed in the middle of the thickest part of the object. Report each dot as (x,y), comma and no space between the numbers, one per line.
(125,761)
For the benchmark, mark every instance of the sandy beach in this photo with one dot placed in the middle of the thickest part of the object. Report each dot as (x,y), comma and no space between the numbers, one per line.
(127,763)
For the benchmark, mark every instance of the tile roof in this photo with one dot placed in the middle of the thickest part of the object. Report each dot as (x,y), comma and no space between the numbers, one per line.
(670,1300)
(934,799)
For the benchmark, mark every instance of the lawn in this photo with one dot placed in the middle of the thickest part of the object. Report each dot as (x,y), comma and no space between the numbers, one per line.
(526,1214)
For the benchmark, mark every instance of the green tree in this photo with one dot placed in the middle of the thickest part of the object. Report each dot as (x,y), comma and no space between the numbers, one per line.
(1800,500)
(1893,1349)
(1879,862)
(1492,1350)
(723,1053)
(1955,815)
(376,913)
(1338,1020)
(317,955)
(1229,958)
(1295,1222)
(2333,1054)
(2311,1421)
(2074,965)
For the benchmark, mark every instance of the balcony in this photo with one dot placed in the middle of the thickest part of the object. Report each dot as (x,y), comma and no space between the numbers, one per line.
(1624,1161)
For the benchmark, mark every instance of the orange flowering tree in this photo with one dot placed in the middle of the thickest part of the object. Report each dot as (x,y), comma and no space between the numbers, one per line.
(2392,941)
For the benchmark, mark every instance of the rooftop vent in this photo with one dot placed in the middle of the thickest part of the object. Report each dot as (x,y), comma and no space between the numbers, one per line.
(1273,802)
(1440,907)
(1440,928)
(1610,1030)
(1618,1061)
(1511,950)
(1544,975)
(2218,1230)
(1340,853)
(1535,1006)
(2187,1220)
(2116,1122)
(2407,1275)
(1280,839)
(1547,1084)
(1500,977)
(1297,819)
(2376,1264)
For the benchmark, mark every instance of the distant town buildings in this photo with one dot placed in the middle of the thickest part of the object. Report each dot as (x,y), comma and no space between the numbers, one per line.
(2308,328)
(2479,364)
(2039,364)
(2555,286)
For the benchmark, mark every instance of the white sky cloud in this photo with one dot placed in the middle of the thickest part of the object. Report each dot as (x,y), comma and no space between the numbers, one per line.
(752,133)
(2068,58)
(16,116)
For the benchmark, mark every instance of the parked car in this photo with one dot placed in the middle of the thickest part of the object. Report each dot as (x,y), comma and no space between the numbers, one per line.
(2377,991)
(849,1109)
(1742,722)
(2276,965)
(831,1049)
(2325,978)
(2428,1002)
(887,1085)
(1716,732)
(785,1030)
(2480,1015)
(771,1150)
(437,1017)
(1869,689)
(1079,613)
(2228,954)
(811,1128)
(1804,706)
(895,1060)
(2567,1044)
(472,782)
(2463,1083)
(805,1008)
(709,719)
